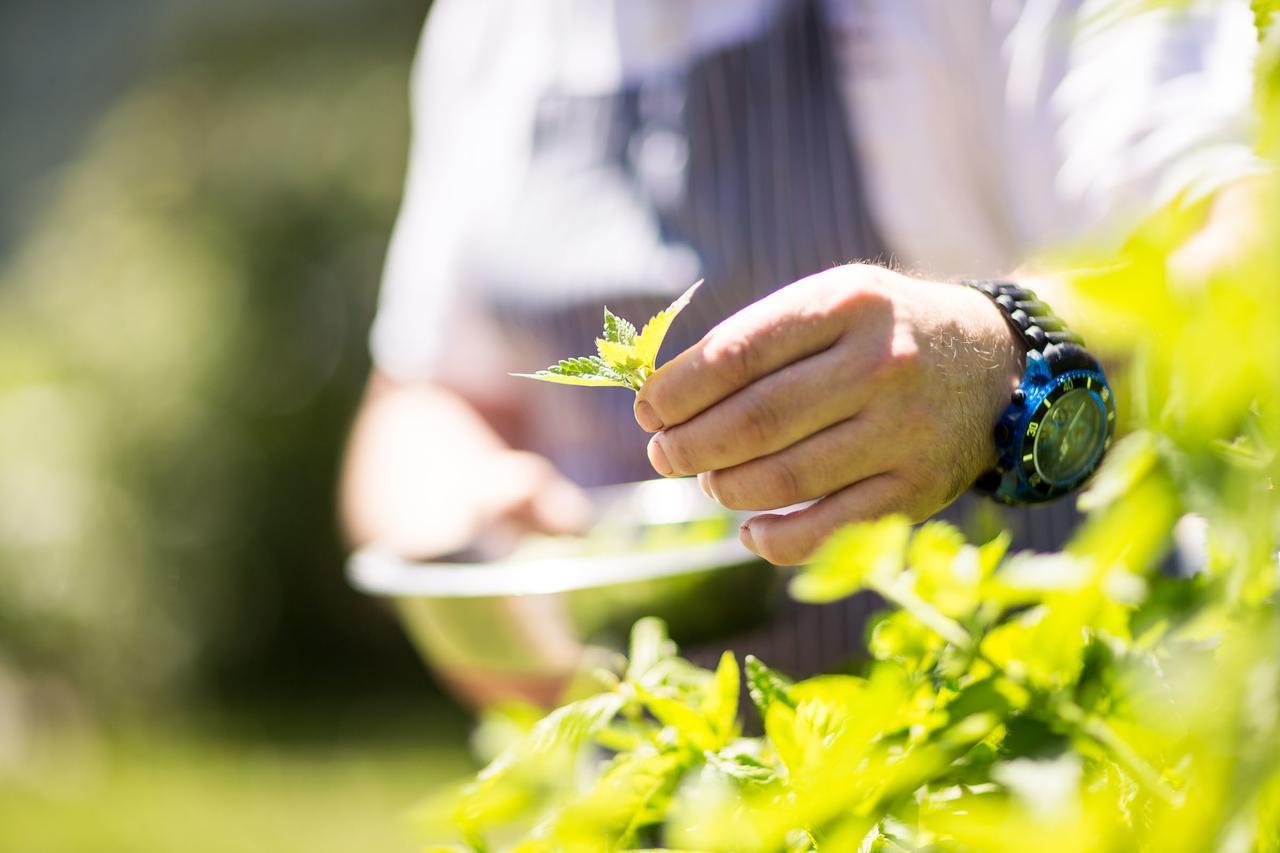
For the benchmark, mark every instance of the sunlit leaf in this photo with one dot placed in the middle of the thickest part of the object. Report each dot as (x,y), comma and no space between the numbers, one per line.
(650,339)
(589,370)
(721,705)
(853,558)
(766,686)
(624,359)
(649,644)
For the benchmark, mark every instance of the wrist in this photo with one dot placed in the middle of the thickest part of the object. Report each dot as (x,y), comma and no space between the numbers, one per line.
(1059,421)
(1001,349)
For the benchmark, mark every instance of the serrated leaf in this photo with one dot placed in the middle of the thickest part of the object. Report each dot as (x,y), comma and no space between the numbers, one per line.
(623,358)
(617,330)
(649,341)
(853,558)
(589,370)
(765,686)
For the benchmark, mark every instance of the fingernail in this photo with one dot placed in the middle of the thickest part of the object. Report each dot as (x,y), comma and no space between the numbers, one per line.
(744,536)
(658,458)
(647,417)
(704,480)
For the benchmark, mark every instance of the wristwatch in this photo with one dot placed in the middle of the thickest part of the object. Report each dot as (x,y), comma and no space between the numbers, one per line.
(1060,420)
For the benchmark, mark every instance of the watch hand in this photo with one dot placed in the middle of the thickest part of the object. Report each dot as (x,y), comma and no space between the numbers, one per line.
(1071,426)
(1067,432)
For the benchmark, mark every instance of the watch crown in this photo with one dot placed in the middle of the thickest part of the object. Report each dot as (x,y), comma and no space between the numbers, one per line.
(1019,397)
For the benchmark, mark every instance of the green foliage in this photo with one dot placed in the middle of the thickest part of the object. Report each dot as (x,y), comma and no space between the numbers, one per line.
(1074,701)
(625,358)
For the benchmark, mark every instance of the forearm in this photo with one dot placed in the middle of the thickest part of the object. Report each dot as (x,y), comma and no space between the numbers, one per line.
(409,446)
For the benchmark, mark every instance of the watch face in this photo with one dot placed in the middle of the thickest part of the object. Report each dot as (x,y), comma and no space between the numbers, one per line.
(1068,433)
(1070,437)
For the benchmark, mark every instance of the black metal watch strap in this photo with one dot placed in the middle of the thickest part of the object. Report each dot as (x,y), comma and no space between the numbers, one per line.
(1031,318)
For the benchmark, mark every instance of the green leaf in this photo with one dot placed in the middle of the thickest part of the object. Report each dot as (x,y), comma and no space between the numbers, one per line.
(623,359)
(649,341)
(982,697)
(721,705)
(620,357)
(742,766)
(590,370)
(633,792)
(498,792)
(1042,646)
(781,729)
(948,570)
(689,725)
(649,644)
(618,330)
(901,637)
(765,686)
(855,557)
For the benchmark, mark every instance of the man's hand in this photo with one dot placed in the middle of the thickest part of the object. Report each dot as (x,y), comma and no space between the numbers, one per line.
(425,475)
(868,390)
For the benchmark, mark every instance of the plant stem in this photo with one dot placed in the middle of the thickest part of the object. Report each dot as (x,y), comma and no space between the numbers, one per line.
(1096,729)
(901,594)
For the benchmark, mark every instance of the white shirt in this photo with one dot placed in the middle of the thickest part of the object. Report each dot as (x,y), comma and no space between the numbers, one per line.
(987,130)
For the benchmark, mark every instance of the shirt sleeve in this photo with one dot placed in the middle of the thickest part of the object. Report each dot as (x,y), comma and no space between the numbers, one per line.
(1110,113)
(475,85)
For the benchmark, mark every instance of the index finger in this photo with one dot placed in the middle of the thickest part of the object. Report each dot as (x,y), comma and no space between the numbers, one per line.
(786,326)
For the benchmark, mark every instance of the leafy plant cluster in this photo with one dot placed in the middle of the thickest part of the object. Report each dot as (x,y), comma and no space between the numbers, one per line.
(624,357)
(1088,700)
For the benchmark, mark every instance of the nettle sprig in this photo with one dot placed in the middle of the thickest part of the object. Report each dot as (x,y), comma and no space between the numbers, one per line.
(624,357)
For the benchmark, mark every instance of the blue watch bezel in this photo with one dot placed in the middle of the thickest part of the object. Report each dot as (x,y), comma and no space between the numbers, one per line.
(1049,375)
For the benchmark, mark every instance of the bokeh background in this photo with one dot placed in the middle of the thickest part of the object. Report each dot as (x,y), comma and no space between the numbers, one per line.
(195,200)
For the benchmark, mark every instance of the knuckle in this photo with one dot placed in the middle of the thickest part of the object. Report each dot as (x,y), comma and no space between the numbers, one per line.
(867,280)
(782,484)
(654,392)
(858,290)
(760,486)
(726,487)
(733,358)
(869,277)
(761,420)
(676,448)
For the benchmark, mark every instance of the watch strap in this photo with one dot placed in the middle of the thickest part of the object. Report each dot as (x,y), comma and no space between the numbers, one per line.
(1032,319)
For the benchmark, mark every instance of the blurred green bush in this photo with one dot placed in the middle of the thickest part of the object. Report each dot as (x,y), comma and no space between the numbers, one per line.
(182,341)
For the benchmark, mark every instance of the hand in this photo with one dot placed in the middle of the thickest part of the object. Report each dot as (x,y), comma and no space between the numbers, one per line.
(515,493)
(425,475)
(865,389)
